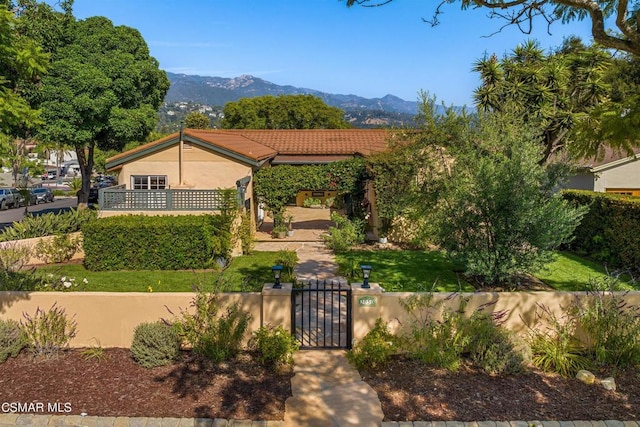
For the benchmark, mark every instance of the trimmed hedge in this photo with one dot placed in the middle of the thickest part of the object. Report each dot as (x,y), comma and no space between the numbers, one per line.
(138,242)
(610,230)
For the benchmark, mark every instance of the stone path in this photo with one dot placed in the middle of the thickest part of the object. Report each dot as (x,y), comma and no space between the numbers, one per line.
(328,391)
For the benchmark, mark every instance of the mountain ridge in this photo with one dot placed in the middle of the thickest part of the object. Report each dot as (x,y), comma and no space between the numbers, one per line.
(217,91)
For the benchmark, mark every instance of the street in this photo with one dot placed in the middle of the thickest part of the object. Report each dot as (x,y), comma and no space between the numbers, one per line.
(16,214)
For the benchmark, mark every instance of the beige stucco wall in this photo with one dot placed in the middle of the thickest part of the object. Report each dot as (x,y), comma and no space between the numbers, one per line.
(624,176)
(520,307)
(109,318)
(202,169)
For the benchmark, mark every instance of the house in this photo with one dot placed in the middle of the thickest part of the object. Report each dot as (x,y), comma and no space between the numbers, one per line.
(616,172)
(183,172)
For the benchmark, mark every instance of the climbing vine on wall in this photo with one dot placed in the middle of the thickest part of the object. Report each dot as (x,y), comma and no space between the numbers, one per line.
(276,185)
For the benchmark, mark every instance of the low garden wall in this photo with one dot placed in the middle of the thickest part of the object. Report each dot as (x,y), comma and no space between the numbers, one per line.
(32,243)
(110,317)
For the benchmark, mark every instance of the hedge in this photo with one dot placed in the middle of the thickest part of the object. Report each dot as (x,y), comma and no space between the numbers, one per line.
(610,231)
(138,242)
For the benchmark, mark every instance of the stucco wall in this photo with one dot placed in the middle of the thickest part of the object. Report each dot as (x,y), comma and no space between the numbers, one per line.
(110,317)
(581,181)
(202,169)
(32,243)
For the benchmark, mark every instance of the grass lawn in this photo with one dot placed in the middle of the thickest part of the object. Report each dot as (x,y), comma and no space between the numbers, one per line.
(406,271)
(245,273)
(411,271)
(570,272)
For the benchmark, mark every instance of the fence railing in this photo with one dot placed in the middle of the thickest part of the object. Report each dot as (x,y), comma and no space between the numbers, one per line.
(120,199)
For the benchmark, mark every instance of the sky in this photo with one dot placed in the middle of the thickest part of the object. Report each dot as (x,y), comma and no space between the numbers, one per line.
(323,45)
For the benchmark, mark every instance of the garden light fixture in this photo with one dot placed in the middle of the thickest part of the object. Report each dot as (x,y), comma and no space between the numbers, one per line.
(366,273)
(277,271)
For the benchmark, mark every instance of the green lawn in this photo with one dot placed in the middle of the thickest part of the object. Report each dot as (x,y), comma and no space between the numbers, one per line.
(570,272)
(408,271)
(245,273)
(419,270)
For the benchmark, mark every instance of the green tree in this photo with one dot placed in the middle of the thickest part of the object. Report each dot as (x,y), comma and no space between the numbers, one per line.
(614,23)
(197,120)
(103,88)
(22,64)
(552,91)
(282,112)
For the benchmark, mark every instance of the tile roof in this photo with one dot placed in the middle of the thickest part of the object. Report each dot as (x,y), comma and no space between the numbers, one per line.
(259,145)
(608,155)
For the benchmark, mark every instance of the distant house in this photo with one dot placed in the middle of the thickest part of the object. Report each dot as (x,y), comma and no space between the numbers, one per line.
(182,172)
(615,173)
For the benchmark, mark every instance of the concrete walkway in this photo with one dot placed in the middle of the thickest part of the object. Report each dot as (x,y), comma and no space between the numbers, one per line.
(327,391)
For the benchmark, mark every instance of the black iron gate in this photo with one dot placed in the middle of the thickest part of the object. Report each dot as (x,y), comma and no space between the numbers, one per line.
(321,314)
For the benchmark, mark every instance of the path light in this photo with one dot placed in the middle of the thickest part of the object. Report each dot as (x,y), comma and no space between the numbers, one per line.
(277,271)
(366,273)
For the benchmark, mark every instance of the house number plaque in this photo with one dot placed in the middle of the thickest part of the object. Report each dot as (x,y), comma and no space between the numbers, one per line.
(367,301)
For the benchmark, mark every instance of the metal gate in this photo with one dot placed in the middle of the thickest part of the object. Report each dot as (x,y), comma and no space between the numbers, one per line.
(321,314)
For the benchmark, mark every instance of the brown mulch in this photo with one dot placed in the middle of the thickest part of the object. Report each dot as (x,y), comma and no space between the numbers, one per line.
(410,392)
(243,389)
(117,386)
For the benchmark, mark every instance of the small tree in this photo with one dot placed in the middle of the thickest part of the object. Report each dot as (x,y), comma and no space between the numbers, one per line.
(497,212)
(197,120)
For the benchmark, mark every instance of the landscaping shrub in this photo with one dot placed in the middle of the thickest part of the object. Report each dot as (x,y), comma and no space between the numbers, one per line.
(609,230)
(48,224)
(12,339)
(274,345)
(554,346)
(60,248)
(491,347)
(155,344)
(211,331)
(345,234)
(445,337)
(375,349)
(48,332)
(288,260)
(609,328)
(139,242)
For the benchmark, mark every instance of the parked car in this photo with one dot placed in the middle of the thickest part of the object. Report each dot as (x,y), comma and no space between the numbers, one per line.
(22,200)
(8,198)
(43,195)
(49,175)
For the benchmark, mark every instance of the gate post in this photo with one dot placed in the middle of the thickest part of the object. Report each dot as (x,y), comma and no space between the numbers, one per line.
(276,306)
(365,308)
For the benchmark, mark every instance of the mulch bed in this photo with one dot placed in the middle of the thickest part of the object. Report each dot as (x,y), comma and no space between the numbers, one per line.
(243,389)
(117,386)
(410,392)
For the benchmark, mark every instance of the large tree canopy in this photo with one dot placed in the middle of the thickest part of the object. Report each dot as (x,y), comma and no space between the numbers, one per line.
(103,88)
(552,91)
(614,23)
(282,112)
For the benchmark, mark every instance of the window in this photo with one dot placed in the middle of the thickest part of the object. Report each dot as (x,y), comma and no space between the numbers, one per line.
(149,182)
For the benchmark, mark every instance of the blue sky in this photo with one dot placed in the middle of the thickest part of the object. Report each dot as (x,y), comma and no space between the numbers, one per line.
(322,45)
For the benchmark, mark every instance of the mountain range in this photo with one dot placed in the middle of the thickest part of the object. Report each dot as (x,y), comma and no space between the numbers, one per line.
(218,91)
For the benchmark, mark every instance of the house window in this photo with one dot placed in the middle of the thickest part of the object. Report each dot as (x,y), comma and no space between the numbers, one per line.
(149,182)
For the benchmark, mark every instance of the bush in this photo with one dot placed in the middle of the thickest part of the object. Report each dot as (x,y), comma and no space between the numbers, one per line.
(375,348)
(155,344)
(345,234)
(491,347)
(12,339)
(48,224)
(211,332)
(274,345)
(609,328)
(609,230)
(139,242)
(48,332)
(555,348)
(60,248)
(288,260)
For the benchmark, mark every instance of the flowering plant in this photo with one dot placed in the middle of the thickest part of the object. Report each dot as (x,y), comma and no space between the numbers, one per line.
(63,283)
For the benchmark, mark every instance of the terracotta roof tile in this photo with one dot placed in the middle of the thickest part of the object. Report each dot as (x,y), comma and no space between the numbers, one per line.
(236,143)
